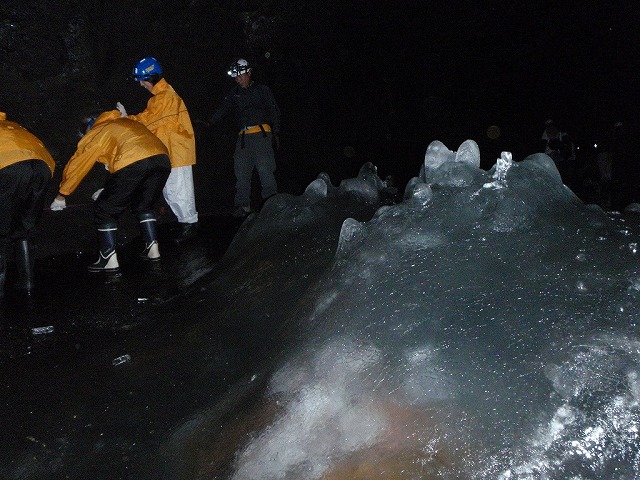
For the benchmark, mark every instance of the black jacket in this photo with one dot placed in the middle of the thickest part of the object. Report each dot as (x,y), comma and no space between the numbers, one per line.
(250,106)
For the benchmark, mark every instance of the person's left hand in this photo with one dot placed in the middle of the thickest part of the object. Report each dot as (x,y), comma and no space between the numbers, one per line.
(276,141)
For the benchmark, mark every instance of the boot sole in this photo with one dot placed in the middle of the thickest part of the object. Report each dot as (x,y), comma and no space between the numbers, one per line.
(98,270)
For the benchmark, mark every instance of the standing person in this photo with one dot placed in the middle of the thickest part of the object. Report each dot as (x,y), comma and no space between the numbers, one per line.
(167,117)
(25,170)
(138,163)
(258,119)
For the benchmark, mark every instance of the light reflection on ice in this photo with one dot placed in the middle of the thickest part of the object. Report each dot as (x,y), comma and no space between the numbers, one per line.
(325,417)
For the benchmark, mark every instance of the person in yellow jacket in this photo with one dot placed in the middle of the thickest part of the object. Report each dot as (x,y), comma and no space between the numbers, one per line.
(138,163)
(25,170)
(167,117)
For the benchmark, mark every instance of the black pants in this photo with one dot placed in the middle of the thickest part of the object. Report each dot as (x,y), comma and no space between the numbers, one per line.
(137,186)
(23,186)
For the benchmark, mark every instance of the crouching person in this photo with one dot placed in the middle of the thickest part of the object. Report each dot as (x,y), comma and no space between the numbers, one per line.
(138,163)
(25,171)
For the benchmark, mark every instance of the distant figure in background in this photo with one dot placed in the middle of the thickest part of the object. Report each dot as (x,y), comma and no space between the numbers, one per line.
(138,163)
(258,119)
(25,170)
(167,117)
(561,150)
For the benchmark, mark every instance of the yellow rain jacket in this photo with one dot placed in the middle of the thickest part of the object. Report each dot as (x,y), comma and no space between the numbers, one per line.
(18,144)
(114,141)
(167,117)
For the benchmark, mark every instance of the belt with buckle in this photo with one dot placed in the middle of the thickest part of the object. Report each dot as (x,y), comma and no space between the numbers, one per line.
(264,127)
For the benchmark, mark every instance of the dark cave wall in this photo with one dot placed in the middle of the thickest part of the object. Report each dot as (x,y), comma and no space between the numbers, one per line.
(62,60)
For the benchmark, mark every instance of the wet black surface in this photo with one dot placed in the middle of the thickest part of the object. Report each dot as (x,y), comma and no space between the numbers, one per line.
(67,411)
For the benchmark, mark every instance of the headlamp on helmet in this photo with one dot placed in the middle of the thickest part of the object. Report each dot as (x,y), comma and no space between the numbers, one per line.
(239,68)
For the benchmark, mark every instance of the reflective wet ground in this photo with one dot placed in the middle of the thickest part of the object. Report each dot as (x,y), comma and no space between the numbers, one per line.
(97,369)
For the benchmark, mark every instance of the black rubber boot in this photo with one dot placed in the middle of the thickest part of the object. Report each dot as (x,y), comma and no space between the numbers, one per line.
(107,257)
(24,265)
(189,230)
(148,230)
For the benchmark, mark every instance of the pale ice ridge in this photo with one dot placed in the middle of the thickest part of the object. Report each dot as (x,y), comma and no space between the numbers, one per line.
(503,165)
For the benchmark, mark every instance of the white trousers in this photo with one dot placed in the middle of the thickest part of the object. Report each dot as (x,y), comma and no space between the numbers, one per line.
(180,195)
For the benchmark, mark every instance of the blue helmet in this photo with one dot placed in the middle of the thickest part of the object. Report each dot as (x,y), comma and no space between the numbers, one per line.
(146,69)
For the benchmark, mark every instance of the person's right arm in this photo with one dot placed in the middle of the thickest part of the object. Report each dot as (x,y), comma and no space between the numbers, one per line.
(223,110)
(90,149)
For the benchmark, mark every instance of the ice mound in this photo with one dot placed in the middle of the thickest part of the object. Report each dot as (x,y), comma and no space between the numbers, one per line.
(484,327)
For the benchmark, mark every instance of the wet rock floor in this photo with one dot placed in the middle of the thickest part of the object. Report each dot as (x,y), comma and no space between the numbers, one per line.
(97,368)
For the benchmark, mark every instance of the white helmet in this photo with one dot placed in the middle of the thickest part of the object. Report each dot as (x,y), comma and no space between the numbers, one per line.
(240,67)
